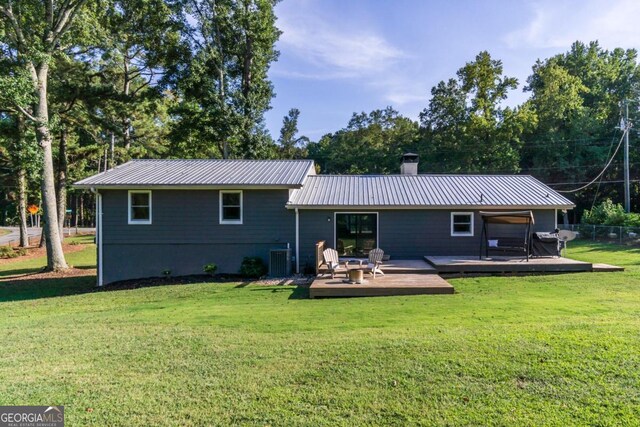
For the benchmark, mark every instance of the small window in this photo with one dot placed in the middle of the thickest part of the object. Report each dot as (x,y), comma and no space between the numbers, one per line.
(231,207)
(139,207)
(462,224)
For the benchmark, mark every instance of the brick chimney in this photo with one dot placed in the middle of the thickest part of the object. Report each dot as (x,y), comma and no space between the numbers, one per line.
(409,164)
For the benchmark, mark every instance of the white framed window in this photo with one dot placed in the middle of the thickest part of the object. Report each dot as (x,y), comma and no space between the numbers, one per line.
(462,223)
(231,207)
(139,207)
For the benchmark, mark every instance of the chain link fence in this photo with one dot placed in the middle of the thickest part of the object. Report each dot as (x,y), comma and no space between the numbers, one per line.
(605,233)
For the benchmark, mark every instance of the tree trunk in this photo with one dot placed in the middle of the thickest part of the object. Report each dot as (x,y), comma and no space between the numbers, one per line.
(22,207)
(43,239)
(22,191)
(55,255)
(81,210)
(126,121)
(62,180)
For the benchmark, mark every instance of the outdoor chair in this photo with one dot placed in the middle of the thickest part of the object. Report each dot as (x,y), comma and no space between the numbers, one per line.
(374,262)
(333,263)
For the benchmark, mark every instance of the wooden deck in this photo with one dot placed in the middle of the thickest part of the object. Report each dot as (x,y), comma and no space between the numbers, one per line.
(402,266)
(389,284)
(606,268)
(506,265)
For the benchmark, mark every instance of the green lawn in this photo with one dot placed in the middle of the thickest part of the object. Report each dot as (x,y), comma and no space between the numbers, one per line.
(547,350)
(86,258)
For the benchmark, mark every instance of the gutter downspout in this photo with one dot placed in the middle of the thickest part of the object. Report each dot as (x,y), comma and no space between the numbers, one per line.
(297,241)
(99,234)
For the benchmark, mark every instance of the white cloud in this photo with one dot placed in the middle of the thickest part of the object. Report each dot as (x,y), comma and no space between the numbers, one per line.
(336,50)
(330,48)
(558,24)
(348,52)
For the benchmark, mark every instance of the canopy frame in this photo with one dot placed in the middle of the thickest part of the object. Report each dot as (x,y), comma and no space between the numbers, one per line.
(524,218)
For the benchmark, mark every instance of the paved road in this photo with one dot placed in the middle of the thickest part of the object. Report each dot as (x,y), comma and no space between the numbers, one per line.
(14,235)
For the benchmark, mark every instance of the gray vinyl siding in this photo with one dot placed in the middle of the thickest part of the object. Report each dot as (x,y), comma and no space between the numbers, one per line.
(409,233)
(185,233)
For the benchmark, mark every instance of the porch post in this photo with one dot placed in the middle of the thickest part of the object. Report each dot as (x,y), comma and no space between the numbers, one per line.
(297,241)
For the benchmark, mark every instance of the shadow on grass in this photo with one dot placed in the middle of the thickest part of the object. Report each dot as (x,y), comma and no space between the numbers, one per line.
(36,288)
(19,272)
(299,292)
(604,247)
(25,289)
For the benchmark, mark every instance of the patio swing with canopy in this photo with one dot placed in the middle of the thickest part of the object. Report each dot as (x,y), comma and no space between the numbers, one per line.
(507,244)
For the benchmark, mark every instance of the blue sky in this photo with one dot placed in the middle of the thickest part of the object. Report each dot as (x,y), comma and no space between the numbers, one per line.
(343,56)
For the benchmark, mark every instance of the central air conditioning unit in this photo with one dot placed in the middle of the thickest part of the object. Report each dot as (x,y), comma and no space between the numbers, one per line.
(280,262)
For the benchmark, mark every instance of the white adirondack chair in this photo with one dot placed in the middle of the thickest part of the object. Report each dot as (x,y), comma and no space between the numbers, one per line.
(374,262)
(333,263)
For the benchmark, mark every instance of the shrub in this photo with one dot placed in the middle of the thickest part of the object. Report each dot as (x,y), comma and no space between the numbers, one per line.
(632,220)
(9,252)
(210,268)
(253,267)
(606,213)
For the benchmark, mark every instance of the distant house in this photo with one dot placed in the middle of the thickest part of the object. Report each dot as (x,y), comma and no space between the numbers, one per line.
(177,215)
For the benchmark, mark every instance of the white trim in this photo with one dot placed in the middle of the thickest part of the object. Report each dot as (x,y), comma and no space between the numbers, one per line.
(297,242)
(99,238)
(465,234)
(230,221)
(335,238)
(138,221)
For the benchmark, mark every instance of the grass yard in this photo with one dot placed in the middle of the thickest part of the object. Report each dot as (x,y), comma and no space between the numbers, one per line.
(546,350)
(84,257)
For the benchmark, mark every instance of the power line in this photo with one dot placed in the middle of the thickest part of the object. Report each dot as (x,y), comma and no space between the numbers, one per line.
(614,181)
(626,129)
(595,195)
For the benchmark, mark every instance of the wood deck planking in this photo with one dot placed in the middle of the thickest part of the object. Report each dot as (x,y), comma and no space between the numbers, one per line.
(403,266)
(471,264)
(394,284)
(606,268)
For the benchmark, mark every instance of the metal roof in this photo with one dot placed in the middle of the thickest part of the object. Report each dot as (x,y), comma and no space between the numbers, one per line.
(181,173)
(433,191)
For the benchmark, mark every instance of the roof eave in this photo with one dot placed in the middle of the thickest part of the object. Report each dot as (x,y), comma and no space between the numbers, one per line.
(428,207)
(187,186)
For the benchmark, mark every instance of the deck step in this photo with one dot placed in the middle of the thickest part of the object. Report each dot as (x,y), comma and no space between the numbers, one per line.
(506,265)
(606,268)
(404,284)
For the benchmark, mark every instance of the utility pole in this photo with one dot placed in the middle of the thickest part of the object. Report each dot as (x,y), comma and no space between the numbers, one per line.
(627,189)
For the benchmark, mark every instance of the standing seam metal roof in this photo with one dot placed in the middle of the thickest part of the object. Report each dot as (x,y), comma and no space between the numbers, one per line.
(290,173)
(426,190)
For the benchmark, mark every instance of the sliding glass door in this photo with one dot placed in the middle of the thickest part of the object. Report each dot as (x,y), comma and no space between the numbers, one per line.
(356,233)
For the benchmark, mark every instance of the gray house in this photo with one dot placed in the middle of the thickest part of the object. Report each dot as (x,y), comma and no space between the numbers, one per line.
(177,215)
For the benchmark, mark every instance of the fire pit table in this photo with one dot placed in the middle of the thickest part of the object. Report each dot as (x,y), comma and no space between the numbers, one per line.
(356,275)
